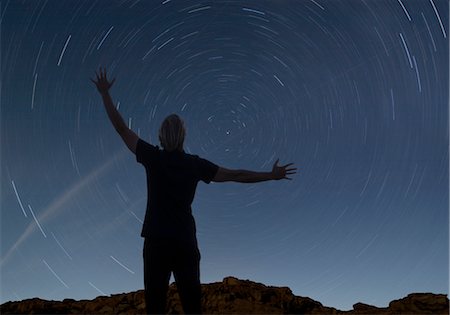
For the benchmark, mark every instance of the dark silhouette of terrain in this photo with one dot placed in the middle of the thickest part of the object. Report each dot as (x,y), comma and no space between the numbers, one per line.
(231,296)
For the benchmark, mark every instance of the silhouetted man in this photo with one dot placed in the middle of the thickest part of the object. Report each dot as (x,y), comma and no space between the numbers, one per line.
(170,243)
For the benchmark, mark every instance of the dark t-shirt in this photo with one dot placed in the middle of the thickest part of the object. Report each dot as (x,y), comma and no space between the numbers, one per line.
(172,178)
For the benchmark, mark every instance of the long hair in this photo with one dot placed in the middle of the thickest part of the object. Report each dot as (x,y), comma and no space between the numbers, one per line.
(171,133)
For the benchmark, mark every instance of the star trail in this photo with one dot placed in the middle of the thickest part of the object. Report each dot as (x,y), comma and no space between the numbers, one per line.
(355,93)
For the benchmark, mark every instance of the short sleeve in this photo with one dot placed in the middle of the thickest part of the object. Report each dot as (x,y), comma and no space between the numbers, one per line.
(207,170)
(145,152)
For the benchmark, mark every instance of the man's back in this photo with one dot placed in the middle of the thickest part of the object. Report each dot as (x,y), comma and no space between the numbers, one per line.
(172,178)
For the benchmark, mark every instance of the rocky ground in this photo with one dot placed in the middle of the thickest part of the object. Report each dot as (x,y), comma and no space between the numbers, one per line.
(231,296)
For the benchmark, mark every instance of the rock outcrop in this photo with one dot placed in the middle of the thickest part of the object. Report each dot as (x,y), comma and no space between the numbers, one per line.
(231,296)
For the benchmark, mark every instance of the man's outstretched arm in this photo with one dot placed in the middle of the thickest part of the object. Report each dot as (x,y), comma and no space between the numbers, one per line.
(127,135)
(244,176)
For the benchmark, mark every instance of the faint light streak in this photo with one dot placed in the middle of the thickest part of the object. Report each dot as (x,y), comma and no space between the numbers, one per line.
(64,49)
(167,30)
(411,181)
(38,15)
(78,118)
(183,88)
(429,32)
(121,193)
(148,52)
(64,250)
(164,2)
(184,106)
(367,246)
(200,9)
(4,11)
(279,60)
(104,37)
(101,292)
(417,74)
(340,216)
(165,43)
(253,11)
(180,44)
(318,5)
(419,183)
(154,111)
(137,218)
(134,3)
(365,131)
(254,71)
(72,157)
(252,203)
(407,51)
(190,34)
(439,18)
(90,48)
(130,38)
(122,265)
(54,273)
(129,123)
(265,28)
(18,199)
(279,81)
(58,203)
(168,76)
(393,104)
(404,9)
(367,182)
(37,222)
(258,18)
(198,54)
(37,58)
(382,186)
(34,90)
(382,41)
(331,119)
(185,67)
(90,8)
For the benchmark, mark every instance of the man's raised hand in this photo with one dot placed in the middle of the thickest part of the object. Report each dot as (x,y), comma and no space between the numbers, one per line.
(102,82)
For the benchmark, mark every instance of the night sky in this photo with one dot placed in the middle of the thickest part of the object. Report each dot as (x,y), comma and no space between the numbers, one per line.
(354,92)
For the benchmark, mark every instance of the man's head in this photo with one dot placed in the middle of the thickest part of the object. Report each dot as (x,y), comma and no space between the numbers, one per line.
(171,133)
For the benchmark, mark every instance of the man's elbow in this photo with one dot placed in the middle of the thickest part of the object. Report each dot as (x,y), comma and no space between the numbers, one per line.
(225,175)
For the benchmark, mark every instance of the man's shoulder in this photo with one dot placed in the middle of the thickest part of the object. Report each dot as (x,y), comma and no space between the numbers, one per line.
(145,143)
(146,152)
